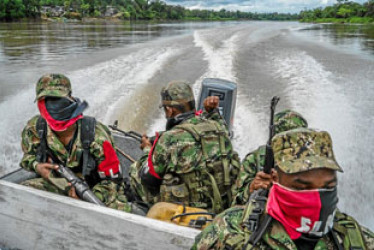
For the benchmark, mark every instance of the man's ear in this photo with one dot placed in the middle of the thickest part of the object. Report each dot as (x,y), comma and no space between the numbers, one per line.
(168,111)
(274,175)
(175,111)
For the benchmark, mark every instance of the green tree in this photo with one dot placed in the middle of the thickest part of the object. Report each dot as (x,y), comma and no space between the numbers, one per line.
(11,9)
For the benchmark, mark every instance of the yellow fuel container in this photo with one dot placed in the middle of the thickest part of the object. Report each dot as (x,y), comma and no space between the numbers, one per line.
(181,215)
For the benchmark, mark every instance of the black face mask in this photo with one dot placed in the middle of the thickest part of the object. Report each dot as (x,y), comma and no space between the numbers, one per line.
(171,122)
(63,109)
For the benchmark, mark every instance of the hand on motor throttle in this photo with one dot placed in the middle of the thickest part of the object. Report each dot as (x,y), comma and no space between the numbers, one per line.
(211,103)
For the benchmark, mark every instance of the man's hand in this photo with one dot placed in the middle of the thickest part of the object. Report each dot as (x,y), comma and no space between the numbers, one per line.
(145,142)
(72,192)
(261,180)
(44,169)
(211,103)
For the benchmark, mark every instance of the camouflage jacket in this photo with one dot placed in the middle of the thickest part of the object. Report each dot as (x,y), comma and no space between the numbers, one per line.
(31,142)
(251,164)
(226,232)
(178,160)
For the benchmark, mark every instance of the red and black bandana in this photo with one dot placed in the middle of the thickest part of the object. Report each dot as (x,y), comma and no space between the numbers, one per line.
(309,212)
(61,113)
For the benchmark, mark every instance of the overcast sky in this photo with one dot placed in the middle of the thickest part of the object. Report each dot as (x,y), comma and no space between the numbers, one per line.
(284,6)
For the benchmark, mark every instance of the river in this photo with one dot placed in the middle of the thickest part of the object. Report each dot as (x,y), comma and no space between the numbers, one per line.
(323,71)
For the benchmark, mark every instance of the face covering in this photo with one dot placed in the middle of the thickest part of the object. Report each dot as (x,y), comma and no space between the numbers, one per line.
(63,109)
(306,212)
(61,113)
(171,122)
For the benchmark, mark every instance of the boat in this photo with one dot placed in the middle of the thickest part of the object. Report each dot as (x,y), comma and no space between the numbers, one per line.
(35,219)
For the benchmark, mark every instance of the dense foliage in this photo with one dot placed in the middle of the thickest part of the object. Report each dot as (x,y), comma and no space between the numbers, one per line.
(156,9)
(343,11)
(127,9)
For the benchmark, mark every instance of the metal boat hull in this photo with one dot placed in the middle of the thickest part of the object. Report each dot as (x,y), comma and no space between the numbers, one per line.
(34,219)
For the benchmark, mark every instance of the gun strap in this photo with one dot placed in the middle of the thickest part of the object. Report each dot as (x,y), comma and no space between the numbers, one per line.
(349,228)
(41,128)
(88,125)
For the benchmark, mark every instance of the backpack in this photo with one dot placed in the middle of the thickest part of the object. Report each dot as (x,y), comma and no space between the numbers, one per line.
(217,172)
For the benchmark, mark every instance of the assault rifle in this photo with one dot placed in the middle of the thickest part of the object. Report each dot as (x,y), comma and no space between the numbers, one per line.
(81,187)
(269,157)
(259,197)
(131,134)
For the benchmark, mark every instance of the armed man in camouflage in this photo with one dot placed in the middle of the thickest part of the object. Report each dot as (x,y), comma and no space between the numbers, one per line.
(251,177)
(301,208)
(61,135)
(193,161)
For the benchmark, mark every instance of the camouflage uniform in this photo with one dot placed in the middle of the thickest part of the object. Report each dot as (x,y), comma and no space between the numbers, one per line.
(255,160)
(59,86)
(228,232)
(191,168)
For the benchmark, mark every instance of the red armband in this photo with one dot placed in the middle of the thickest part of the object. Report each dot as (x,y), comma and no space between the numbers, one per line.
(109,167)
(150,163)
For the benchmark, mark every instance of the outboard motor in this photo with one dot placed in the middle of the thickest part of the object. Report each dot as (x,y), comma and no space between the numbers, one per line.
(226,91)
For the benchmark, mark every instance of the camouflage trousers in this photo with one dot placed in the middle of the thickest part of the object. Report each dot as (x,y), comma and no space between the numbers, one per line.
(109,192)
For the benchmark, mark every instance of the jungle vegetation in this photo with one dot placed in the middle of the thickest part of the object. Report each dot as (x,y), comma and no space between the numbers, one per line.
(342,12)
(11,10)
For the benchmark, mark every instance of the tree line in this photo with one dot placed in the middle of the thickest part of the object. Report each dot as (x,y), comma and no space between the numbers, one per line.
(159,10)
(127,9)
(343,11)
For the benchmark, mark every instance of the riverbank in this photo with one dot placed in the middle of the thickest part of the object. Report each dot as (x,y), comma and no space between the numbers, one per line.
(115,19)
(353,20)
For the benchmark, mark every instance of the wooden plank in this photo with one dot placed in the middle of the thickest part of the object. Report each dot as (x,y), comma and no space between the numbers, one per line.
(34,219)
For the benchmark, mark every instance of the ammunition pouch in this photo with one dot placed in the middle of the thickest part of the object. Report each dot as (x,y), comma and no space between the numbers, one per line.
(173,192)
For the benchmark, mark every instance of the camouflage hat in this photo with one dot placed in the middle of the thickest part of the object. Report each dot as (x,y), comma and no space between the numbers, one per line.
(56,85)
(287,120)
(302,149)
(177,93)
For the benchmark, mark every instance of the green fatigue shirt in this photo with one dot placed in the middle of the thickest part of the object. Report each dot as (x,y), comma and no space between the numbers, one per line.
(179,161)
(31,141)
(251,164)
(226,232)
(106,190)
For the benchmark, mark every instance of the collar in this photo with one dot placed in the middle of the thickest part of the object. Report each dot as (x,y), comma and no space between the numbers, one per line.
(276,235)
(58,149)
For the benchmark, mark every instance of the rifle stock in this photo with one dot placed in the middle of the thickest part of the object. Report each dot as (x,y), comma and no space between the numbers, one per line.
(81,187)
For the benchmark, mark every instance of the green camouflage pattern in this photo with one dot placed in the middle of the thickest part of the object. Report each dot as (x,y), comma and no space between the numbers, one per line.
(106,190)
(303,149)
(255,160)
(176,93)
(113,195)
(287,120)
(31,141)
(251,165)
(109,192)
(49,186)
(227,232)
(56,85)
(178,159)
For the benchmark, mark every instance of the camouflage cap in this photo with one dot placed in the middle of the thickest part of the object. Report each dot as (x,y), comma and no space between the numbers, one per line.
(302,149)
(176,93)
(56,85)
(287,120)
